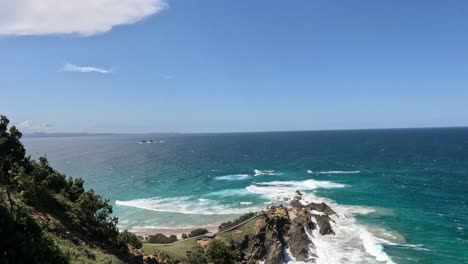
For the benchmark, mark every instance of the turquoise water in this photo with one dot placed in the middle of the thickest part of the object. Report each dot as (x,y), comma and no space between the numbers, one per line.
(401,194)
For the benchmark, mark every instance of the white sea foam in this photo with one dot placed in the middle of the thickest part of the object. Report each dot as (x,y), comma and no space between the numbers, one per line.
(186,205)
(265,172)
(352,242)
(283,190)
(228,192)
(310,171)
(337,172)
(233,177)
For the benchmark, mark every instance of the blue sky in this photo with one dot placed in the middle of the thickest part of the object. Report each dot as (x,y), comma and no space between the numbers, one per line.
(219,66)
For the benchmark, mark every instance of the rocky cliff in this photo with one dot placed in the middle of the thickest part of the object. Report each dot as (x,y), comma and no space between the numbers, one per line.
(285,232)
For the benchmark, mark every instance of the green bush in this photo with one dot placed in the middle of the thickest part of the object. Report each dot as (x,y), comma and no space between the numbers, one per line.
(24,241)
(239,220)
(92,215)
(198,232)
(126,237)
(37,184)
(196,256)
(219,253)
(162,239)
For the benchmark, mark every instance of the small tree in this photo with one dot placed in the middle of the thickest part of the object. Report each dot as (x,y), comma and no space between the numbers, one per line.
(92,214)
(162,239)
(219,253)
(126,237)
(11,152)
(198,232)
(196,256)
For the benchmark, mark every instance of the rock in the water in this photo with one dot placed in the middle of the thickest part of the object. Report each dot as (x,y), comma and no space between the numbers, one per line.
(296,204)
(321,207)
(299,242)
(323,222)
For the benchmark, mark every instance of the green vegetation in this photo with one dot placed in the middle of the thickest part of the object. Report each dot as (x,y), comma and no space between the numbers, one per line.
(219,253)
(126,237)
(239,233)
(197,256)
(83,254)
(198,232)
(239,220)
(176,251)
(33,189)
(24,241)
(162,239)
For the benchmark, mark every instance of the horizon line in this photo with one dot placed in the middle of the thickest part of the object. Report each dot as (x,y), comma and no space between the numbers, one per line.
(234,132)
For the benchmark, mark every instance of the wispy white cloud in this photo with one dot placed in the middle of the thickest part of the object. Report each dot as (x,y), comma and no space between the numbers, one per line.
(24,124)
(29,125)
(85,69)
(84,17)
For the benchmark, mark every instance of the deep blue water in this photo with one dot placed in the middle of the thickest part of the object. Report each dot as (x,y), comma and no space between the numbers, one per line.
(401,194)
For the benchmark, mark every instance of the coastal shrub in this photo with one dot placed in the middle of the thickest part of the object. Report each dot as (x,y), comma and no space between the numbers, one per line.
(184,236)
(126,237)
(24,241)
(219,253)
(37,184)
(92,214)
(75,188)
(239,220)
(198,232)
(161,239)
(196,256)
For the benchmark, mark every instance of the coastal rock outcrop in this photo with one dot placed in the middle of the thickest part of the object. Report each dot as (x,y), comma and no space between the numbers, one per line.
(298,239)
(253,247)
(283,228)
(323,221)
(321,207)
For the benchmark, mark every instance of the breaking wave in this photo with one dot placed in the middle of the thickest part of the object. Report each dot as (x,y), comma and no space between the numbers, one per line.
(352,243)
(265,172)
(334,172)
(233,177)
(186,205)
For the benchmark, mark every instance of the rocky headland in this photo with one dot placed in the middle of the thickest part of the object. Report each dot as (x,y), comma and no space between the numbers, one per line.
(286,229)
(281,233)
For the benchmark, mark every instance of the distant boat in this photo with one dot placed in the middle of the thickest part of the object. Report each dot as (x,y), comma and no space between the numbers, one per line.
(142,141)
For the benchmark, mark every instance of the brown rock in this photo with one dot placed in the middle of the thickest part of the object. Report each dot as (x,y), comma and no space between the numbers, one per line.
(321,207)
(323,222)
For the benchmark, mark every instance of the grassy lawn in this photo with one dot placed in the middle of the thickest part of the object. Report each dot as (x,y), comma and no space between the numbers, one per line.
(176,251)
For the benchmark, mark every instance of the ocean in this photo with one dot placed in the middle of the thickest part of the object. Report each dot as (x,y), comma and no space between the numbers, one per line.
(400,194)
